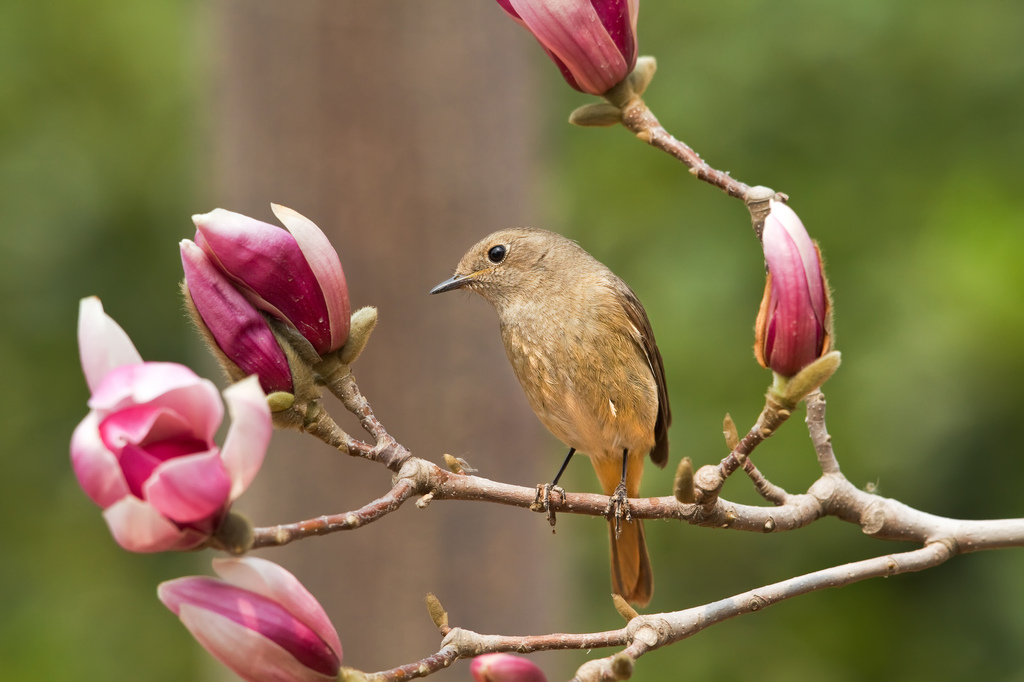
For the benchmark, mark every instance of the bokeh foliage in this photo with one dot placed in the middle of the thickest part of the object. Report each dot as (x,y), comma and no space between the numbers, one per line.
(98,159)
(898,130)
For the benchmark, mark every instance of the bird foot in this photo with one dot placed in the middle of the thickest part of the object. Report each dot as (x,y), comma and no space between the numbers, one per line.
(618,508)
(543,500)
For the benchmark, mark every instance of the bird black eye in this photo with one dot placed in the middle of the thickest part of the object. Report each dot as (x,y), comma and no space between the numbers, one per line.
(496,254)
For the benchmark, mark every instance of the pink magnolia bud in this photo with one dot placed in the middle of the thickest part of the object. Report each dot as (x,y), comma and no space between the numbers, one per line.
(505,668)
(239,329)
(293,274)
(258,620)
(593,42)
(794,325)
(145,452)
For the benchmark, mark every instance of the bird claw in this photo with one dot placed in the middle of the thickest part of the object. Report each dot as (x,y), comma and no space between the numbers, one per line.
(543,500)
(618,508)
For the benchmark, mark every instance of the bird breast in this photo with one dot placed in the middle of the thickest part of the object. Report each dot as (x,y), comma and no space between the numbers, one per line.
(585,376)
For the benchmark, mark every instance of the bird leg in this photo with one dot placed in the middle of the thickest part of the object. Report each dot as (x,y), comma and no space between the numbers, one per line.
(618,503)
(544,490)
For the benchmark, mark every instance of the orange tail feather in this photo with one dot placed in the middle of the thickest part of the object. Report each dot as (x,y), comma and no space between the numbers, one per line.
(632,577)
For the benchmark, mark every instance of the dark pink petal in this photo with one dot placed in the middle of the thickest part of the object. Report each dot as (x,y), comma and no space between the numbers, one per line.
(96,468)
(809,257)
(275,583)
(238,328)
(267,261)
(573,32)
(507,6)
(211,597)
(138,527)
(102,344)
(188,489)
(795,334)
(326,266)
(505,668)
(249,654)
(249,435)
(616,17)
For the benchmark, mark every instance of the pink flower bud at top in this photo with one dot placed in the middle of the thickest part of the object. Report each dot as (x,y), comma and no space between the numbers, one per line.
(794,325)
(237,328)
(505,668)
(145,452)
(593,42)
(293,274)
(258,620)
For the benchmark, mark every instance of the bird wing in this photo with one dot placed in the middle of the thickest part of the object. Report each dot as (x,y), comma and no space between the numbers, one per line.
(638,317)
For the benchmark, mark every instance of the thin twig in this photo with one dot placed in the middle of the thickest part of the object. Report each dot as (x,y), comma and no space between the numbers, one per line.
(819,434)
(655,631)
(276,536)
(639,119)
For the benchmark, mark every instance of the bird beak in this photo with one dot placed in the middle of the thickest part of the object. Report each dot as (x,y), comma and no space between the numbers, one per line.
(454,282)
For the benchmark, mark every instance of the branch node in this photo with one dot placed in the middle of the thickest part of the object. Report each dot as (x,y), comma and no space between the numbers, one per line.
(757,603)
(874,518)
(708,482)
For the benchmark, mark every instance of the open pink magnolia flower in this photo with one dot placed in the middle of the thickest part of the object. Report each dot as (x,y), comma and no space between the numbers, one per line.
(292,274)
(145,452)
(593,42)
(505,668)
(794,324)
(258,620)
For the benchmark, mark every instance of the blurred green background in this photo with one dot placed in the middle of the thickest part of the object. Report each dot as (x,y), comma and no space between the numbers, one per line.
(896,127)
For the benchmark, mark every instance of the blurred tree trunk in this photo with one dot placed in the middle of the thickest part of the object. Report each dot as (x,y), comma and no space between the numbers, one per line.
(405,131)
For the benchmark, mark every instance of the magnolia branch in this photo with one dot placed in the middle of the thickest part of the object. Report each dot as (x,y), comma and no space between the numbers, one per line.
(641,121)
(645,633)
(831,495)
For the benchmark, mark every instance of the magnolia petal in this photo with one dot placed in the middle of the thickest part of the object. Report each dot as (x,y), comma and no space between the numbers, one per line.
(248,653)
(572,31)
(191,488)
(139,527)
(102,344)
(794,334)
(199,405)
(507,6)
(96,468)
(267,260)
(145,423)
(249,434)
(238,329)
(147,381)
(274,582)
(619,18)
(323,260)
(809,255)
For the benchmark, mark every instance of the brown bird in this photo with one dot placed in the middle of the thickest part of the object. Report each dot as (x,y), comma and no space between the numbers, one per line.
(582,347)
